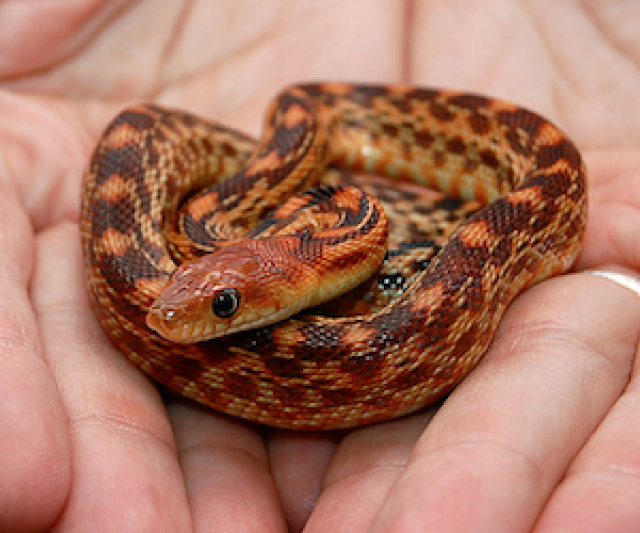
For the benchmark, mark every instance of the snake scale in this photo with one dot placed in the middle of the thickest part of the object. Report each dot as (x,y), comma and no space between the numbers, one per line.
(312,371)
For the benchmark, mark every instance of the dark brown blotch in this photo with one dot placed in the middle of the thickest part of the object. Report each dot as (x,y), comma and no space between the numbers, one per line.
(113,216)
(130,118)
(441,112)
(472,102)
(479,124)
(489,158)
(365,95)
(564,149)
(521,118)
(502,215)
(424,138)
(422,94)
(390,130)
(456,145)
(124,270)
(125,161)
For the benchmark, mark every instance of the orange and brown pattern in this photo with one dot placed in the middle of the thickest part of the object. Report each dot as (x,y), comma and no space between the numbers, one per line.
(320,372)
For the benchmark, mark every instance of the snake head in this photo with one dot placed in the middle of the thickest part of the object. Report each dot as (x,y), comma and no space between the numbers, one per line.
(238,287)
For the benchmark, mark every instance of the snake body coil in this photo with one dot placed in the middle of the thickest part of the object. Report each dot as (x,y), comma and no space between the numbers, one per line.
(319,372)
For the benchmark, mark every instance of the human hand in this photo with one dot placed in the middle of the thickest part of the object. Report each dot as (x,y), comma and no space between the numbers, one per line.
(541,428)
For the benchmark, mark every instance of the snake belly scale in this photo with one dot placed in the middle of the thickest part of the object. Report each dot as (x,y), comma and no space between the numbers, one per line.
(318,372)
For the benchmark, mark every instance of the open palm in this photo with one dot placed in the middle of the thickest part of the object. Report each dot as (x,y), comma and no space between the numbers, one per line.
(546,424)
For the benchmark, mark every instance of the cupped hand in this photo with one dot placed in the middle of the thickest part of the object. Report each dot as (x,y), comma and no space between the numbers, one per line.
(541,437)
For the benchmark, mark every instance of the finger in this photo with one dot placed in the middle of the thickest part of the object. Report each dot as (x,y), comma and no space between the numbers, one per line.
(367,463)
(600,490)
(299,461)
(226,471)
(125,473)
(35,456)
(501,443)
(614,237)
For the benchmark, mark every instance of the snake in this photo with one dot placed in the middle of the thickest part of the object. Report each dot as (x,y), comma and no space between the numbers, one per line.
(165,186)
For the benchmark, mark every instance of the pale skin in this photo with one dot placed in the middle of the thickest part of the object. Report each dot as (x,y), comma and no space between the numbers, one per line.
(541,437)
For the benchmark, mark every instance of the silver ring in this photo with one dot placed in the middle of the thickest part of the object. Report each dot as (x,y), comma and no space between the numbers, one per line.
(627,281)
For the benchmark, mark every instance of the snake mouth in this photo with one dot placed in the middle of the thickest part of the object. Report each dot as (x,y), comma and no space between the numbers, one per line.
(172,325)
(162,321)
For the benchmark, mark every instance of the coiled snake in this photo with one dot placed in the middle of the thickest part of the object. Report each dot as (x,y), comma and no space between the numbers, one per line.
(321,372)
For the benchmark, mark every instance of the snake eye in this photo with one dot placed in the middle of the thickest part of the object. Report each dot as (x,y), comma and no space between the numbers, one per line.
(226,303)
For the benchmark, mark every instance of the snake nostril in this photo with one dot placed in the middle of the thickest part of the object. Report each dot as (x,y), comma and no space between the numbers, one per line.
(166,314)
